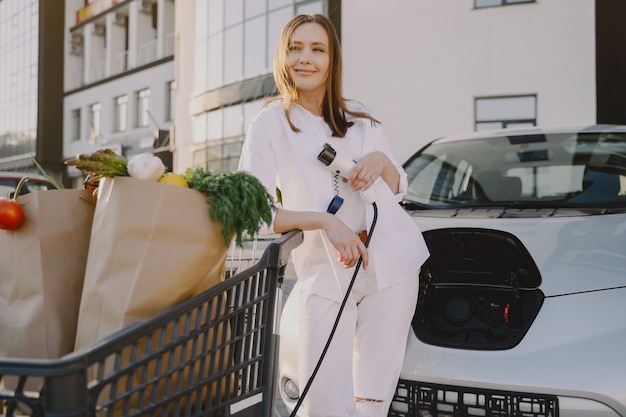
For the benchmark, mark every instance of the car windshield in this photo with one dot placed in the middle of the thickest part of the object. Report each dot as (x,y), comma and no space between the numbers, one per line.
(583,169)
(8,185)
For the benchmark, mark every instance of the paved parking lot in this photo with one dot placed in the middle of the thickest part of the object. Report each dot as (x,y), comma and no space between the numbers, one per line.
(280,409)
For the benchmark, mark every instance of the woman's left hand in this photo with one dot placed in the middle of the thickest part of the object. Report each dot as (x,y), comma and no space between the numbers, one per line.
(367,170)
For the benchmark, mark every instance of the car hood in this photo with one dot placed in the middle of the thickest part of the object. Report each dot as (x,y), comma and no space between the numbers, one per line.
(574,253)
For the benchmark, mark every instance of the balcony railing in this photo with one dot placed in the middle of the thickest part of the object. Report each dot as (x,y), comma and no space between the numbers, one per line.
(146,52)
(98,71)
(119,63)
(76,79)
(168,45)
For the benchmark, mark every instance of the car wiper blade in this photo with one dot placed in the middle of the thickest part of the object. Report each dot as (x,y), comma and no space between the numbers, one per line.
(413,205)
(555,205)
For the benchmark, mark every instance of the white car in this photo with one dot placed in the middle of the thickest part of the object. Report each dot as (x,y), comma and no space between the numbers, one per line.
(522,304)
(10,180)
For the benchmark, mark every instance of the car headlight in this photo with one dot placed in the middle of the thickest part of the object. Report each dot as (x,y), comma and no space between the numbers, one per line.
(291,389)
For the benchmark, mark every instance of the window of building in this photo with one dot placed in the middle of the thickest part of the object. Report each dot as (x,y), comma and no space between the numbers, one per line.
(244,33)
(235,41)
(121,113)
(94,122)
(75,126)
(310,7)
(170,100)
(143,107)
(19,40)
(479,4)
(505,112)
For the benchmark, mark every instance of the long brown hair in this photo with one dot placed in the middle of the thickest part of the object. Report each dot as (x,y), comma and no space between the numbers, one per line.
(334,108)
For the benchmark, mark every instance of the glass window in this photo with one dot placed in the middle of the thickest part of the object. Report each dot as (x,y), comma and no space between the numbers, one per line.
(276,21)
(170,100)
(75,125)
(143,107)
(214,125)
(19,37)
(233,121)
(94,122)
(254,48)
(233,54)
(201,13)
(215,66)
(491,3)
(199,128)
(505,112)
(121,113)
(250,110)
(230,156)
(487,3)
(201,64)
(233,13)
(311,8)
(275,4)
(533,168)
(216,16)
(255,8)
(242,38)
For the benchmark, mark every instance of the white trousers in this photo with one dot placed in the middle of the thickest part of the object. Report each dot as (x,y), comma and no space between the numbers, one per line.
(365,356)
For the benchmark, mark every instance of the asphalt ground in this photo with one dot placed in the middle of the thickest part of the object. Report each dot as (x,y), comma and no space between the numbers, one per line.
(279,409)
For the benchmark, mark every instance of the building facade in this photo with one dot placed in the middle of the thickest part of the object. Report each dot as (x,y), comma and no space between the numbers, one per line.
(193,73)
(425,67)
(224,73)
(450,67)
(119,77)
(31,94)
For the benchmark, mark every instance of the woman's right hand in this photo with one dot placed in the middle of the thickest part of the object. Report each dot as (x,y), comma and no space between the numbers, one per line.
(348,244)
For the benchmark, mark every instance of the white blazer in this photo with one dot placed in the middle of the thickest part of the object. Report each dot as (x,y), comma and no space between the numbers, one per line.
(281,158)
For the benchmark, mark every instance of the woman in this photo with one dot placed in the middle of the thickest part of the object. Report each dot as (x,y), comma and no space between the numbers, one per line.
(360,370)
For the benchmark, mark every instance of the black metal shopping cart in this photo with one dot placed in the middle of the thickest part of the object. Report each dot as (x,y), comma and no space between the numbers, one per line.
(212,355)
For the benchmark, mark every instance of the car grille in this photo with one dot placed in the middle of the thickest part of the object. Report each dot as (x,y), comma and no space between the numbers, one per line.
(417,399)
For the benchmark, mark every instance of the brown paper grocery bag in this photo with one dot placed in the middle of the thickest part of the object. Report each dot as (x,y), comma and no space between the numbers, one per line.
(42,265)
(152,246)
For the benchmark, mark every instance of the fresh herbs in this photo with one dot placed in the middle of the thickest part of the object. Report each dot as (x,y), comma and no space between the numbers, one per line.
(237,200)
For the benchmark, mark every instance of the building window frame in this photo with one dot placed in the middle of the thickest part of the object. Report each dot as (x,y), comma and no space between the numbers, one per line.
(504,112)
(143,107)
(483,4)
(95,120)
(75,125)
(170,100)
(121,113)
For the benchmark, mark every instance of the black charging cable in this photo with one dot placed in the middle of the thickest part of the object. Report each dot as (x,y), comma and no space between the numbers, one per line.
(334,329)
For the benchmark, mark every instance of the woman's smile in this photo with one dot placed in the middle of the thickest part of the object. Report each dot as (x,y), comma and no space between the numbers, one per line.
(309,59)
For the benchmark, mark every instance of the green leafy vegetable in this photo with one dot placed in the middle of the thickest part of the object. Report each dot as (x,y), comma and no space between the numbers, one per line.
(102,163)
(237,200)
(45,174)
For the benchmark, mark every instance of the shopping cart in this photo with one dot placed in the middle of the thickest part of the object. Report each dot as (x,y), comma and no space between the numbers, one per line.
(213,355)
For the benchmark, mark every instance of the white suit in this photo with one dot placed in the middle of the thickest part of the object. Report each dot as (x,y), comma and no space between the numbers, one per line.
(287,160)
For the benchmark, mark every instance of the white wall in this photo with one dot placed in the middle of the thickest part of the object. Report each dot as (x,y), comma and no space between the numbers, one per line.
(419,64)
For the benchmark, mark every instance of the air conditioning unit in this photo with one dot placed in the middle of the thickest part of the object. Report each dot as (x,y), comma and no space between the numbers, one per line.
(146,6)
(76,44)
(99,29)
(121,19)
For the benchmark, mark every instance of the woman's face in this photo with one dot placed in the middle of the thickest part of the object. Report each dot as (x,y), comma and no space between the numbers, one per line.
(309,58)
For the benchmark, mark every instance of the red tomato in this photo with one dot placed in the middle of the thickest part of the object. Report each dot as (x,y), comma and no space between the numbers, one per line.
(11,214)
